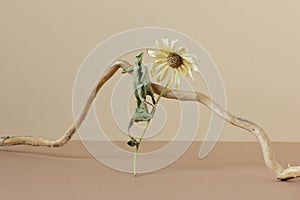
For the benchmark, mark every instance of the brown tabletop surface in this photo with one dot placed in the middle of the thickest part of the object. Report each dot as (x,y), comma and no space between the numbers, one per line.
(233,170)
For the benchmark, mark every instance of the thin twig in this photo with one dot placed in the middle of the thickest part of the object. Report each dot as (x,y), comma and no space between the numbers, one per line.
(265,143)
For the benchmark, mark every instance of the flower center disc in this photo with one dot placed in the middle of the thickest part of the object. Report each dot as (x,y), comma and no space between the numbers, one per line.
(174,60)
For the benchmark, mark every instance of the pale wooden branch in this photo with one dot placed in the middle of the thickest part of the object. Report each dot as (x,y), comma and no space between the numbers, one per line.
(38,141)
(263,139)
(265,143)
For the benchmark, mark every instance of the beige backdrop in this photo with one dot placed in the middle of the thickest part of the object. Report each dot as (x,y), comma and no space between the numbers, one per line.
(256,45)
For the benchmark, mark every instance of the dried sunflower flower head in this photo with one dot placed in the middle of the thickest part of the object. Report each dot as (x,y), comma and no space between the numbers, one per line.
(172,62)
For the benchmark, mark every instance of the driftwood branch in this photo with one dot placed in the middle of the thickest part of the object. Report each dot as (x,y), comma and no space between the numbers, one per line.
(265,143)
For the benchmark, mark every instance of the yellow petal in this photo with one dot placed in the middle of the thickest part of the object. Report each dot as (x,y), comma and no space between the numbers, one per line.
(177,79)
(161,72)
(155,70)
(174,78)
(160,61)
(188,68)
(171,80)
(192,65)
(157,44)
(184,68)
(157,54)
(181,50)
(159,67)
(172,47)
(188,58)
(165,41)
(183,72)
(165,74)
(195,69)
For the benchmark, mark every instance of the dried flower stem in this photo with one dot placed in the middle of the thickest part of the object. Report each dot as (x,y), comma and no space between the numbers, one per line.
(263,139)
